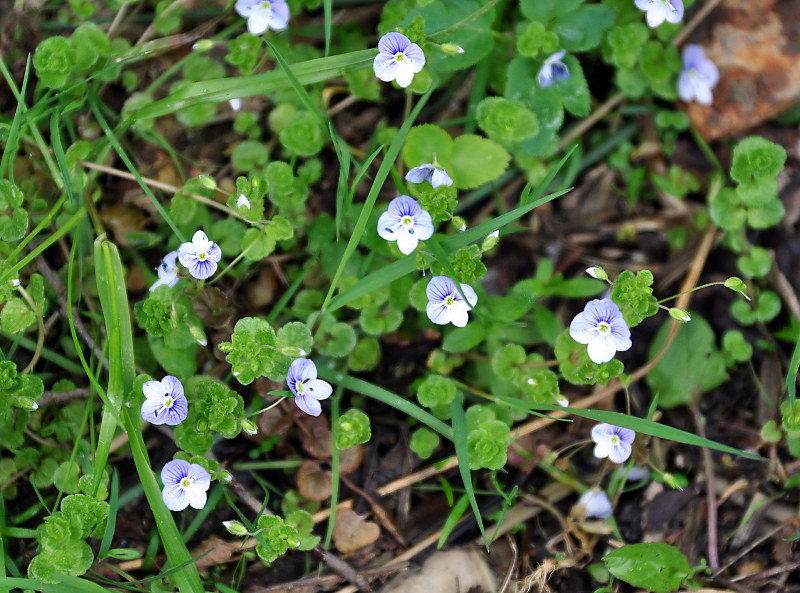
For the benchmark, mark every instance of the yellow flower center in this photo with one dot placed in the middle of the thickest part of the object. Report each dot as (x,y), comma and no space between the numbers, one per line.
(407,221)
(168,402)
(202,256)
(603,328)
(449,300)
(186,483)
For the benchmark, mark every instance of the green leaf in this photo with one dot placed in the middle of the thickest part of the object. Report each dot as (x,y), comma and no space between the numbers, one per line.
(506,121)
(583,29)
(575,94)
(767,215)
(756,263)
(691,366)
(476,160)
(634,296)
(463,339)
(726,210)
(423,442)
(546,10)
(436,390)
(756,157)
(16,316)
(423,142)
(249,352)
(13,217)
(352,429)
(657,567)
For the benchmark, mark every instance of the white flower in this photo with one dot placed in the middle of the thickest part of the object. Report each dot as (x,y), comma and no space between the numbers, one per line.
(167,271)
(698,77)
(236,104)
(553,69)
(445,303)
(612,441)
(243,202)
(200,256)
(562,400)
(398,59)
(601,326)
(406,223)
(185,484)
(659,11)
(165,402)
(596,503)
(263,14)
(308,390)
(434,173)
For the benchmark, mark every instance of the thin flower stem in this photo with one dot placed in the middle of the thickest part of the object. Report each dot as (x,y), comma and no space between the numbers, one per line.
(40,324)
(688,291)
(268,408)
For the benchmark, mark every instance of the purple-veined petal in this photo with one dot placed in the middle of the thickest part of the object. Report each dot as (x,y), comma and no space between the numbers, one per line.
(626,435)
(388,226)
(414,53)
(439,288)
(245,7)
(404,206)
(309,405)
(438,313)
(643,4)
(301,370)
(420,173)
(545,76)
(440,177)
(619,452)
(177,412)
(175,498)
(172,386)
(187,253)
(674,11)
(582,329)
(393,43)
(214,252)
(560,71)
(385,68)
(149,411)
(202,269)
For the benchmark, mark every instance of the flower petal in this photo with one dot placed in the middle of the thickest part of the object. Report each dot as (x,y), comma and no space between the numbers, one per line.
(309,405)
(472,297)
(438,313)
(280,15)
(404,74)
(582,329)
(319,389)
(420,173)
(150,411)
(620,452)
(385,68)
(388,226)
(596,503)
(414,53)
(423,225)
(439,288)
(172,386)
(685,87)
(195,497)
(406,242)
(458,315)
(153,390)
(393,43)
(675,11)
(601,348)
(656,15)
(440,177)
(175,498)
(258,21)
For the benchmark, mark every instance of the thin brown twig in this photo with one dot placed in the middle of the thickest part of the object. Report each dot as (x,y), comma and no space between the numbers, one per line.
(712,540)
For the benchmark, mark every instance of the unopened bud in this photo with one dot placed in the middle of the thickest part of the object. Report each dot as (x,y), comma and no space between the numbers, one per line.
(293,352)
(243,202)
(208,181)
(670,480)
(235,528)
(459,223)
(249,427)
(224,476)
(198,334)
(597,272)
(491,241)
(737,285)
(561,400)
(680,314)
(203,45)
(451,49)
(27,403)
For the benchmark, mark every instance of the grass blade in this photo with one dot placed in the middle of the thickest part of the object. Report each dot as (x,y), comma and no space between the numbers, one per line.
(462,454)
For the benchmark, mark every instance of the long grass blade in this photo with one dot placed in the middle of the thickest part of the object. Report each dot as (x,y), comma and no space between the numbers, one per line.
(462,454)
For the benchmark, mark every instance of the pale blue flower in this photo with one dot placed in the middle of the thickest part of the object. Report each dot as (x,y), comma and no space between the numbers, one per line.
(263,14)
(165,402)
(200,256)
(659,11)
(602,327)
(553,69)
(596,503)
(185,484)
(167,271)
(243,202)
(398,59)
(698,77)
(308,390)
(445,303)
(612,441)
(433,173)
(405,222)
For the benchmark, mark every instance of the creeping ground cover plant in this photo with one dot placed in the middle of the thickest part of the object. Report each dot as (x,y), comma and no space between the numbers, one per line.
(291,290)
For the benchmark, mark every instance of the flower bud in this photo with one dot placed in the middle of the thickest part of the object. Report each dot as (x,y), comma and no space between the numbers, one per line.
(249,427)
(198,334)
(224,476)
(451,49)
(597,272)
(27,403)
(459,223)
(561,400)
(670,480)
(243,202)
(679,314)
(491,241)
(737,285)
(203,45)
(293,352)
(208,181)
(235,528)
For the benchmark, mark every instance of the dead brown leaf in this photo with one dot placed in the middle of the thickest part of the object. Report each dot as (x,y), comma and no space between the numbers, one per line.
(313,482)
(352,532)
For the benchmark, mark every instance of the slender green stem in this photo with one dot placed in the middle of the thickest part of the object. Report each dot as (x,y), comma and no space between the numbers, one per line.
(40,325)
(690,290)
